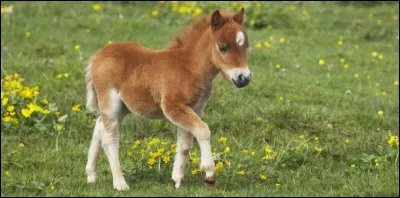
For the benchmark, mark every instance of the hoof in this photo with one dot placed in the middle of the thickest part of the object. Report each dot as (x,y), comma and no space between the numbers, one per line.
(176,184)
(122,186)
(92,179)
(210,184)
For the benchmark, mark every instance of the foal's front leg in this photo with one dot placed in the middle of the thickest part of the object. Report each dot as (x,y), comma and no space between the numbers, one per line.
(183,116)
(184,144)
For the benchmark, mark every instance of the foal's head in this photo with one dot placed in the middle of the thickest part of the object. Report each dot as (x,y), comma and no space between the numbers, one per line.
(229,40)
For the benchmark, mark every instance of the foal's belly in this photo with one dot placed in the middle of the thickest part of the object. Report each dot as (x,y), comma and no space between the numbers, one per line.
(141,103)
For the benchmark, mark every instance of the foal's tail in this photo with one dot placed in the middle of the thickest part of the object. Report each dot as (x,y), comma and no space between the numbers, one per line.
(91,96)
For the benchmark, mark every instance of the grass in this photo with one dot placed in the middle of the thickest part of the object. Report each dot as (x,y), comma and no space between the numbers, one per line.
(314,103)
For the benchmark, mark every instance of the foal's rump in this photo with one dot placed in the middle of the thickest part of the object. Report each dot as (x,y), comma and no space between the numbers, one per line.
(130,70)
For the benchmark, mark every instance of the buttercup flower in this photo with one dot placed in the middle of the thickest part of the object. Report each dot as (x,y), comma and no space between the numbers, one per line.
(96,7)
(321,62)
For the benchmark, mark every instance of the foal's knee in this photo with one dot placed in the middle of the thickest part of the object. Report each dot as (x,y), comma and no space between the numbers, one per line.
(202,132)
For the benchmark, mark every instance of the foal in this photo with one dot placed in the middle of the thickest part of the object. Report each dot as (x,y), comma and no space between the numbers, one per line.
(174,83)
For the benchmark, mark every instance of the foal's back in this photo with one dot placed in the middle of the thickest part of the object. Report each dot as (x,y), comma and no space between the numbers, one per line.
(138,74)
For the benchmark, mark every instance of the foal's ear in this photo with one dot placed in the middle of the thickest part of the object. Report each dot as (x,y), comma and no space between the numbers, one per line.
(216,20)
(239,16)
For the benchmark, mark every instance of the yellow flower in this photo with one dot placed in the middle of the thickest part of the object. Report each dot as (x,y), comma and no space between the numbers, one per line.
(57,113)
(277,184)
(316,138)
(222,140)
(10,108)
(263,177)
(384,93)
(10,119)
(7,173)
(380,57)
(87,30)
(347,141)
(4,101)
(266,44)
(281,40)
(393,140)
(228,163)
(195,171)
(280,98)
(26,113)
(154,154)
(374,54)
(368,77)
(96,7)
(21,145)
(77,47)
(252,22)
(356,76)
(353,166)
(304,12)
(267,149)
(59,127)
(166,159)
(277,66)
(155,13)
(219,166)
(241,172)
(27,34)
(377,84)
(301,137)
(380,113)
(245,151)
(51,187)
(396,83)
(371,15)
(59,75)
(227,149)
(197,11)
(151,161)
(321,62)
(259,119)
(76,108)
(342,60)
(110,42)
(379,22)
(271,38)
(253,153)
(258,45)
(318,149)
(66,75)
(340,42)
(195,161)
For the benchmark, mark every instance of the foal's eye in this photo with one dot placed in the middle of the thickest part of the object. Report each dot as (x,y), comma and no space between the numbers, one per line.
(222,48)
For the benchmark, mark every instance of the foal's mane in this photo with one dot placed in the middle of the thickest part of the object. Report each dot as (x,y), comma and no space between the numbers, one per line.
(193,32)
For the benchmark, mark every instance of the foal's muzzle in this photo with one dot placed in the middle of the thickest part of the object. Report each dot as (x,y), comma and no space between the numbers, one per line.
(242,80)
(240,76)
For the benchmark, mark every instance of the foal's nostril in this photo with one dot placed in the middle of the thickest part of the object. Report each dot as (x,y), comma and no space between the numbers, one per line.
(241,78)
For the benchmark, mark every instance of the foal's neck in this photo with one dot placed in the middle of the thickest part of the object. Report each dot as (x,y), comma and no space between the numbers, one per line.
(200,53)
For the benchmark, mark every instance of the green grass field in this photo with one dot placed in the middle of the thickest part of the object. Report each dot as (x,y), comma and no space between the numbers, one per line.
(331,128)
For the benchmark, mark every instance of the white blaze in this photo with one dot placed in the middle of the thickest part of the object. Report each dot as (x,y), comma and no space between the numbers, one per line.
(240,38)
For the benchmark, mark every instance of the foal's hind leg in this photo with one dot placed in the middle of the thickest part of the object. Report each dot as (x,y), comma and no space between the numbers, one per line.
(184,144)
(112,112)
(94,152)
